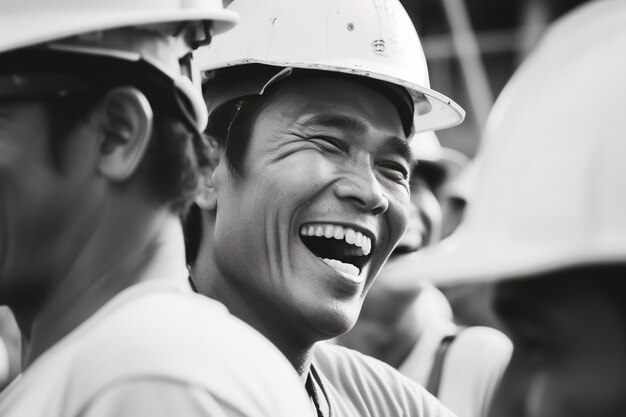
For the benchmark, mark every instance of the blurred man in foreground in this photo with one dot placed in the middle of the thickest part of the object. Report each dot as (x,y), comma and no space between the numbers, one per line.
(100,131)
(547,224)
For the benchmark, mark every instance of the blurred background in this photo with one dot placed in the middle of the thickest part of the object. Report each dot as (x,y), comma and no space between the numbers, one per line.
(473,47)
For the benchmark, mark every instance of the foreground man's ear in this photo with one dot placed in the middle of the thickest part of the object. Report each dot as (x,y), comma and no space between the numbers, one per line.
(126,125)
(207,197)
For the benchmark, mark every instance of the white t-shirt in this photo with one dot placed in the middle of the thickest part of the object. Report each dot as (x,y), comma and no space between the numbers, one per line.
(350,384)
(474,363)
(4,363)
(157,349)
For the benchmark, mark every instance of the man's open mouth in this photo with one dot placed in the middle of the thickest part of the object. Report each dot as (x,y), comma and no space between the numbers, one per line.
(343,248)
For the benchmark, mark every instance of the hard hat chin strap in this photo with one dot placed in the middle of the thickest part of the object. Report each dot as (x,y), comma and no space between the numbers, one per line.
(284,73)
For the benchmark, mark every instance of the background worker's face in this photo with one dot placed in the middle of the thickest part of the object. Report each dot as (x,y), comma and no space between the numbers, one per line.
(570,351)
(39,198)
(325,176)
(425,221)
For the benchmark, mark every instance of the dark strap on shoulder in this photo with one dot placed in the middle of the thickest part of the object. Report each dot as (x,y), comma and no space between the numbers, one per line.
(435,374)
(313,382)
(192,284)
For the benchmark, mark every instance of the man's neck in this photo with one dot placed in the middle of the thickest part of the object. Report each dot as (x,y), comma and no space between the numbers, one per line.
(116,256)
(273,325)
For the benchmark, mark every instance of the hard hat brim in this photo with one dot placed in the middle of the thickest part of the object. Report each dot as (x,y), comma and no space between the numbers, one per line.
(461,259)
(49,26)
(444,111)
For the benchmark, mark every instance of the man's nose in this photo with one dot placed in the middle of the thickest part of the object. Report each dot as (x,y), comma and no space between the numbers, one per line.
(360,186)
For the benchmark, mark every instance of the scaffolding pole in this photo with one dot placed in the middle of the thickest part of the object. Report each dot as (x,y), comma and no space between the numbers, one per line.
(472,67)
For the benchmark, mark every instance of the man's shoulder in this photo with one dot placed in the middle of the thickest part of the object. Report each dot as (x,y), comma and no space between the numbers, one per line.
(371,386)
(170,332)
(336,358)
(167,322)
(187,339)
(338,362)
(161,342)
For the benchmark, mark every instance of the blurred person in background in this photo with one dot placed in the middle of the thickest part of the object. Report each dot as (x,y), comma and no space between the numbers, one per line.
(455,194)
(100,132)
(408,323)
(309,192)
(547,224)
(470,302)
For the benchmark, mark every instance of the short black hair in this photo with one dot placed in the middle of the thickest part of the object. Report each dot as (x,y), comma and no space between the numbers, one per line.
(173,160)
(432,173)
(230,125)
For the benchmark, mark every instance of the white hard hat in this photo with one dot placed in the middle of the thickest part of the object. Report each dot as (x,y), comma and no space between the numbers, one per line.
(429,153)
(551,191)
(28,23)
(373,39)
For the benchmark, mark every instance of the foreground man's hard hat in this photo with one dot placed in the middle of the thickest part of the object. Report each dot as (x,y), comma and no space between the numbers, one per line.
(551,192)
(28,23)
(374,39)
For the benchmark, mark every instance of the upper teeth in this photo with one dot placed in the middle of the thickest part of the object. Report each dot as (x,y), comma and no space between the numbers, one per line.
(331,231)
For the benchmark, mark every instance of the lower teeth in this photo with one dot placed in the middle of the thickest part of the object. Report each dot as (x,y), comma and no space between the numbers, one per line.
(342,267)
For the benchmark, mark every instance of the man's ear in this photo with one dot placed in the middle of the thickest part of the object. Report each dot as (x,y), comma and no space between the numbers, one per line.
(206,198)
(126,127)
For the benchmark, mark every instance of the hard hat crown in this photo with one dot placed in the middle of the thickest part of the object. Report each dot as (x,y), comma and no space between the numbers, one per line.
(551,192)
(29,22)
(374,39)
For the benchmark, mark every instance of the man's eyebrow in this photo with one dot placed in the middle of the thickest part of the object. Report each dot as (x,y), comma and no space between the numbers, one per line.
(400,146)
(337,121)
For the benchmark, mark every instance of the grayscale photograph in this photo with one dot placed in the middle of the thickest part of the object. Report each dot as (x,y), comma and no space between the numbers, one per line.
(312,208)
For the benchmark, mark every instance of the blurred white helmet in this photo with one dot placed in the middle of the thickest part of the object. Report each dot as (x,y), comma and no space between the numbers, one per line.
(79,27)
(30,22)
(445,163)
(374,39)
(551,190)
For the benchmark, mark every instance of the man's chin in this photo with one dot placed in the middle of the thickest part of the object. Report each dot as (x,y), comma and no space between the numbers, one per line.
(330,323)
